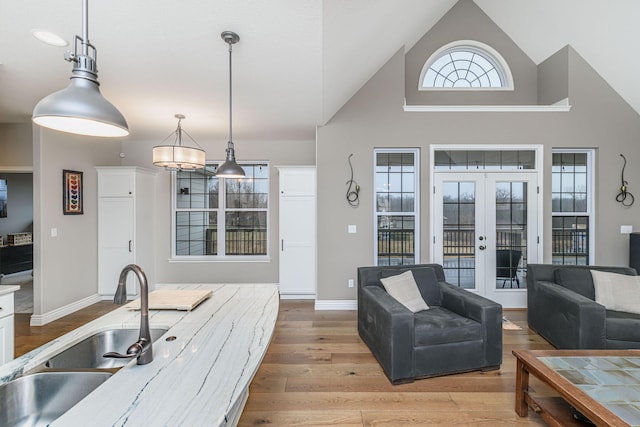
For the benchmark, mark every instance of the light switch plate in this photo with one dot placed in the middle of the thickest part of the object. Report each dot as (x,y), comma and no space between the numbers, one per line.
(626,229)
(351,229)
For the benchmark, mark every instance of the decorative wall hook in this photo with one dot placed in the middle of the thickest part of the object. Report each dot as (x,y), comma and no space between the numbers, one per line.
(624,196)
(353,189)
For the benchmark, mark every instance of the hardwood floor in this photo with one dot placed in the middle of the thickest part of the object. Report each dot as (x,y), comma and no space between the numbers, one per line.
(318,372)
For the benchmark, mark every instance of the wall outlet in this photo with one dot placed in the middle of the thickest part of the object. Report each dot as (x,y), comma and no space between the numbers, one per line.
(351,283)
(352,229)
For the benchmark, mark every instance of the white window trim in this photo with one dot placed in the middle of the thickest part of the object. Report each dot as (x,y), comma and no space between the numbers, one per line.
(505,71)
(220,258)
(416,211)
(591,181)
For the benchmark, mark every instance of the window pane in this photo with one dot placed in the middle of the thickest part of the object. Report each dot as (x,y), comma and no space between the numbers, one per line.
(196,233)
(246,233)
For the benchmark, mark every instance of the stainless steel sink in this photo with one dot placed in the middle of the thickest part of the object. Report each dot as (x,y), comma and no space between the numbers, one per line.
(38,399)
(87,354)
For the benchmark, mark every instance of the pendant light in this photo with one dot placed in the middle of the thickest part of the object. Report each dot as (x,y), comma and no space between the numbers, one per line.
(230,169)
(178,156)
(80,107)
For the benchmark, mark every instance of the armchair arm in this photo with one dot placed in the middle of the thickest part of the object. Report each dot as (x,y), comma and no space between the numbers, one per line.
(386,326)
(567,319)
(484,311)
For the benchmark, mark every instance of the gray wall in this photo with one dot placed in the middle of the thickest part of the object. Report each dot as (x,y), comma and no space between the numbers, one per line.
(374,118)
(16,149)
(65,267)
(466,21)
(19,204)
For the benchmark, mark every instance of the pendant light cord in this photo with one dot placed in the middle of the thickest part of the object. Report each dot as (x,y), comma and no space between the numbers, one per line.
(85,27)
(230,97)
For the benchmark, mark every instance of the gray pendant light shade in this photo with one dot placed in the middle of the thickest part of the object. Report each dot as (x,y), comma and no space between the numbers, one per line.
(230,169)
(179,156)
(80,107)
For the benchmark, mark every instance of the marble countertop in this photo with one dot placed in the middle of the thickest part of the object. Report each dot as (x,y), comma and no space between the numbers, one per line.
(202,377)
(7,289)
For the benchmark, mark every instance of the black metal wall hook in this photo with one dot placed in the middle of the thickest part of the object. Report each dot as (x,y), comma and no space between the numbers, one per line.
(624,196)
(353,189)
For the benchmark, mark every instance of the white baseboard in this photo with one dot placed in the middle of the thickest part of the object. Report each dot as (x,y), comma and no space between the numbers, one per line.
(43,319)
(297,296)
(343,304)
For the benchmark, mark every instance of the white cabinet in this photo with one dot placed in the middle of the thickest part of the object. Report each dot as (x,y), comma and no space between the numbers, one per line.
(6,328)
(297,224)
(125,225)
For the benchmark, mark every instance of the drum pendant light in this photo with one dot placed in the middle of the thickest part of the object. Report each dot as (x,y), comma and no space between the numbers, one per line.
(230,169)
(178,156)
(80,108)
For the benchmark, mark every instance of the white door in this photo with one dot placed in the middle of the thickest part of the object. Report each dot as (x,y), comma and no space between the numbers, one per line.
(116,230)
(297,232)
(485,232)
(297,245)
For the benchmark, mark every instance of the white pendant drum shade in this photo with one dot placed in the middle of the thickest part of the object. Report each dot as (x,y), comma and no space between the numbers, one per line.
(80,107)
(179,156)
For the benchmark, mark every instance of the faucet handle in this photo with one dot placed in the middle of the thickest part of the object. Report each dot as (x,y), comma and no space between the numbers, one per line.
(134,350)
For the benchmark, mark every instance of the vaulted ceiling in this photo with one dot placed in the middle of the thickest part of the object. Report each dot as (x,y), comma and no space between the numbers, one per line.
(297,63)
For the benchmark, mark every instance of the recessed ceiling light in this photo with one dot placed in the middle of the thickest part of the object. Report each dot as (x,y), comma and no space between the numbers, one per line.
(49,38)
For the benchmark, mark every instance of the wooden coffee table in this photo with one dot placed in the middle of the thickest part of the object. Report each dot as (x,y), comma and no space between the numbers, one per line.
(604,385)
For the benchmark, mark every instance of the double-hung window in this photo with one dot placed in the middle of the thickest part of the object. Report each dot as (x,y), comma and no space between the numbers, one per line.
(215,218)
(572,206)
(397,231)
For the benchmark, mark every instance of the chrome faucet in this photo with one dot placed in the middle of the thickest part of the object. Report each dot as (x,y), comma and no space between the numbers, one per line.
(141,348)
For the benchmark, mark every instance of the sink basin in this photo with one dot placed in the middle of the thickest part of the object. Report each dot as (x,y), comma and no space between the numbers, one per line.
(38,399)
(87,354)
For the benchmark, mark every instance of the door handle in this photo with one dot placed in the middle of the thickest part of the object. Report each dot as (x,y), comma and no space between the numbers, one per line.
(282,245)
(130,246)
(482,247)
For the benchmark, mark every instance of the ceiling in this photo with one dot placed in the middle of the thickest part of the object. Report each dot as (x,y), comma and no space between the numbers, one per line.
(297,62)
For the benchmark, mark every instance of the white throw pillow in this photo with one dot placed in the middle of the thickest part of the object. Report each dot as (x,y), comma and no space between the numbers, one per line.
(618,292)
(403,288)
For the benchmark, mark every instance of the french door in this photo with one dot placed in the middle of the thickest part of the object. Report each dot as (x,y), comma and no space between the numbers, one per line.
(485,231)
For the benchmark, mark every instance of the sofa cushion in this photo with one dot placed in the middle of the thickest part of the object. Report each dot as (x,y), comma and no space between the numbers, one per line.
(576,279)
(441,326)
(622,326)
(618,292)
(404,289)
(425,278)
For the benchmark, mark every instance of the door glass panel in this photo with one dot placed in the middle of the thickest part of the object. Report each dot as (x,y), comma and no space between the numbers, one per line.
(511,234)
(459,204)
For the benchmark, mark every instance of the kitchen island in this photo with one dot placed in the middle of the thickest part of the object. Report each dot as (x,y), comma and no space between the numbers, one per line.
(202,367)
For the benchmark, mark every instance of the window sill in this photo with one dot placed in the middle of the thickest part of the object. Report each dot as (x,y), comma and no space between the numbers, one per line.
(188,259)
(561,106)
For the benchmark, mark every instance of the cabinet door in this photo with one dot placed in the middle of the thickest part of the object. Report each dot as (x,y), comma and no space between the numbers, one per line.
(297,181)
(116,183)
(6,338)
(117,245)
(297,245)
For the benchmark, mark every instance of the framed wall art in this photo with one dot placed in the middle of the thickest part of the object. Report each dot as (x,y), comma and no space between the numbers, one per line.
(72,192)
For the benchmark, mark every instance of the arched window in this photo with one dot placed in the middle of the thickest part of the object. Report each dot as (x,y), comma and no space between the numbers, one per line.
(466,65)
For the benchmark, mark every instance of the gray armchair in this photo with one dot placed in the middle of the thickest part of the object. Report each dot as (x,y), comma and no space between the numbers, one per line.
(561,307)
(460,332)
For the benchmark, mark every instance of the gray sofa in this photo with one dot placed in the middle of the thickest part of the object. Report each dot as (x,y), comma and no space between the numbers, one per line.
(460,332)
(562,308)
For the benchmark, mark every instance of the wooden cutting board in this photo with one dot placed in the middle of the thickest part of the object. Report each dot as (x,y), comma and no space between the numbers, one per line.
(173,299)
